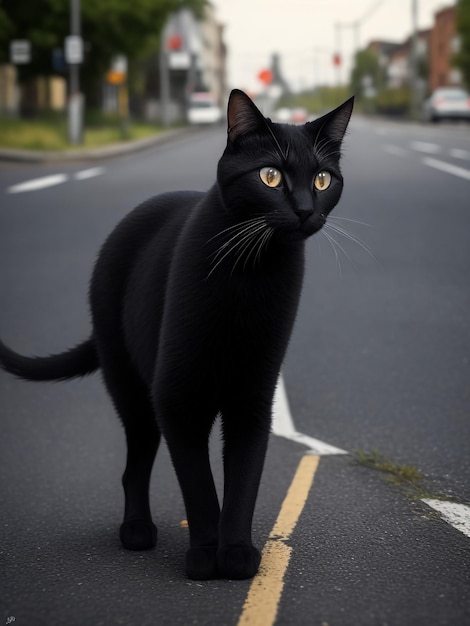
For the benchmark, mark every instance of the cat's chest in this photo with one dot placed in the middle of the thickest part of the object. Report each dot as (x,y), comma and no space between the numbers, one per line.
(252,309)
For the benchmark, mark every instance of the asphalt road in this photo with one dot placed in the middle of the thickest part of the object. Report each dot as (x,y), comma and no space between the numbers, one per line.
(379,360)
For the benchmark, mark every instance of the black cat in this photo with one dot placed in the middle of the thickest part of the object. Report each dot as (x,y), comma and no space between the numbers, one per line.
(193,298)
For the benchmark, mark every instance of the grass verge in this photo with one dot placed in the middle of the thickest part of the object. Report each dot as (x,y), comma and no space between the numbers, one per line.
(51,134)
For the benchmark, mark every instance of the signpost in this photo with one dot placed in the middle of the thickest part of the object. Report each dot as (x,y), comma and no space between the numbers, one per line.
(73,45)
(117,76)
(20,51)
(74,49)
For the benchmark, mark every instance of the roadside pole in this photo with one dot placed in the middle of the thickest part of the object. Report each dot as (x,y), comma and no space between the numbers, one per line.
(164,82)
(74,56)
(414,61)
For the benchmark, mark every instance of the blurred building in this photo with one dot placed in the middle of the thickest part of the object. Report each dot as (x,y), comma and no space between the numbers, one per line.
(444,43)
(396,60)
(278,79)
(400,70)
(42,93)
(435,49)
(213,55)
(9,94)
(193,58)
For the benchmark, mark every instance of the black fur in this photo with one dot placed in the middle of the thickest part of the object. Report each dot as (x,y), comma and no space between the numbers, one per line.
(193,298)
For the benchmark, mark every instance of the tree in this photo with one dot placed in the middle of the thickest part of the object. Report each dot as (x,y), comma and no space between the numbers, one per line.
(462,58)
(367,72)
(109,27)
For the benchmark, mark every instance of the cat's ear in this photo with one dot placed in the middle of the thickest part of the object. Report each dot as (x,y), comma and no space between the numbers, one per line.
(333,124)
(243,116)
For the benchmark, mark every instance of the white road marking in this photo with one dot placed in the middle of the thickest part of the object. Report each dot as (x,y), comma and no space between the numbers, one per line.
(455,514)
(54,179)
(283,425)
(458,153)
(89,173)
(38,183)
(424,146)
(443,166)
(395,150)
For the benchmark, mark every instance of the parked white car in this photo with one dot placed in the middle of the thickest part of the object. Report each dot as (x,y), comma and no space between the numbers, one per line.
(447,103)
(203,109)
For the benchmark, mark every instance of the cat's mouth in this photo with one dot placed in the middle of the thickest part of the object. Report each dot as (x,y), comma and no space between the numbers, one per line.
(300,229)
(311,225)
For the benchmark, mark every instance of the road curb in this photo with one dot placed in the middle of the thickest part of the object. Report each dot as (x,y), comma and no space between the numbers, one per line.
(90,154)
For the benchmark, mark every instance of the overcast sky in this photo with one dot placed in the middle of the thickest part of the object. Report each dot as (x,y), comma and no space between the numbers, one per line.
(303,32)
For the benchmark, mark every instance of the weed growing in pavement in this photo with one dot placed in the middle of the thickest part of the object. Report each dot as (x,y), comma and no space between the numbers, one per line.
(406,476)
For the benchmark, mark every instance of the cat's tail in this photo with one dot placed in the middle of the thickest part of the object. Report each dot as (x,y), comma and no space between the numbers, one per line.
(73,363)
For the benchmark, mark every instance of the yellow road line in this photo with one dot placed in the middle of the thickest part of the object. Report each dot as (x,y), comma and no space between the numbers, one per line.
(265,593)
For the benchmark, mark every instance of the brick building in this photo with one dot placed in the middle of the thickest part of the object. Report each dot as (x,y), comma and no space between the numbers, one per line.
(443,44)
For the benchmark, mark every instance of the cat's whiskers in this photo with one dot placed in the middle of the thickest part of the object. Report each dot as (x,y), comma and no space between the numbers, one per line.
(234,227)
(333,244)
(242,229)
(344,233)
(323,157)
(322,144)
(255,249)
(241,240)
(348,219)
(342,249)
(263,243)
(247,246)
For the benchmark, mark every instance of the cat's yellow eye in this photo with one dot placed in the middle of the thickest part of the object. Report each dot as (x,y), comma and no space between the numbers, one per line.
(270,176)
(322,181)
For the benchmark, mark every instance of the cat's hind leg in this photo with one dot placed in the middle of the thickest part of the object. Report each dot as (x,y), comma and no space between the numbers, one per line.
(132,401)
(138,532)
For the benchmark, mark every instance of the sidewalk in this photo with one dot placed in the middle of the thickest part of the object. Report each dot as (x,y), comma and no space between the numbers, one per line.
(90,154)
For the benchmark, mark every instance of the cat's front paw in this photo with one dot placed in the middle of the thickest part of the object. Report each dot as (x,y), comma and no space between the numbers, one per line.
(238,562)
(201,563)
(138,534)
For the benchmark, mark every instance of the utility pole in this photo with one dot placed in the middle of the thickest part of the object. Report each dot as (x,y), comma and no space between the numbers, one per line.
(337,57)
(414,73)
(74,56)
(164,81)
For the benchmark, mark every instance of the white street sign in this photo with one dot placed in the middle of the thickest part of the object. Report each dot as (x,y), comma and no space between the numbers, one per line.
(180,60)
(20,51)
(74,49)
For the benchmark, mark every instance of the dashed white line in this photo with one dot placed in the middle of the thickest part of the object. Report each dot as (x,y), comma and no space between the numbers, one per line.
(458,515)
(437,164)
(38,183)
(89,173)
(283,425)
(458,153)
(395,150)
(54,179)
(449,168)
(424,146)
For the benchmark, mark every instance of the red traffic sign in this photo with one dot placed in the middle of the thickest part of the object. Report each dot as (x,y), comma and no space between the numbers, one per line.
(266,77)
(174,42)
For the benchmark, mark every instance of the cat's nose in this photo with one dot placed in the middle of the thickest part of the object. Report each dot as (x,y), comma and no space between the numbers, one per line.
(303,204)
(303,213)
